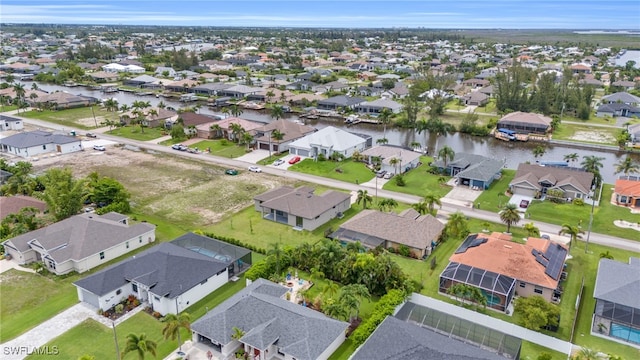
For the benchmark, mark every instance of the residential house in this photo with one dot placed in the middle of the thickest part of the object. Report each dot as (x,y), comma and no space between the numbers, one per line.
(290,131)
(634,132)
(181,86)
(580,69)
(304,99)
(151,117)
(407,159)
(340,102)
(627,191)
(13,204)
(10,123)
(407,340)
(372,228)
(165,71)
(103,76)
(33,143)
(113,67)
(476,98)
(168,277)
(328,141)
(500,267)
(80,242)
(476,83)
(617,109)
(62,100)
(226,128)
(535,180)
(272,327)
(525,123)
(300,207)
(626,85)
(141,81)
(211,89)
(475,171)
(623,98)
(239,91)
(617,312)
(375,107)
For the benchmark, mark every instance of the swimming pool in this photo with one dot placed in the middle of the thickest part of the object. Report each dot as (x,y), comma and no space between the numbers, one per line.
(211,254)
(625,333)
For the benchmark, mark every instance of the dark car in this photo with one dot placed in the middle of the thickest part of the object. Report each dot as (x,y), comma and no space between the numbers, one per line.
(91,135)
(524,204)
(231,172)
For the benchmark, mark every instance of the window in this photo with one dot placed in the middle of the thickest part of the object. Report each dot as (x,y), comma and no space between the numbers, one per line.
(44,147)
(537,290)
(119,291)
(140,239)
(134,287)
(156,298)
(52,264)
(523,284)
(204,281)
(102,255)
(127,244)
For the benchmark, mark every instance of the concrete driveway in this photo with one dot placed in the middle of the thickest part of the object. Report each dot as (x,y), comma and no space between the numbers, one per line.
(517,198)
(254,156)
(462,195)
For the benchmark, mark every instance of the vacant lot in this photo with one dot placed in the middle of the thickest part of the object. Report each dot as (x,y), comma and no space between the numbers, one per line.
(83,118)
(347,170)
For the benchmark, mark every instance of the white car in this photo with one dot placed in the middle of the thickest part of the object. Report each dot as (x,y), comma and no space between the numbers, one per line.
(255,169)
(278,162)
(99,147)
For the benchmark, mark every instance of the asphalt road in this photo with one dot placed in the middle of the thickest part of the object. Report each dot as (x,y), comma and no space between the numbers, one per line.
(447,207)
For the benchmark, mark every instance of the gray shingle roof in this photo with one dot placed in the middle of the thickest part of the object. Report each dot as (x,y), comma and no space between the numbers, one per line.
(168,269)
(475,166)
(395,339)
(623,97)
(266,318)
(80,236)
(618,282)
(342,100)
(408,228)
(36,138)
(301,201)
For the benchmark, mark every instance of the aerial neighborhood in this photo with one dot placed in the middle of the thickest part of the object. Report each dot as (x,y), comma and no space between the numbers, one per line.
(274,193)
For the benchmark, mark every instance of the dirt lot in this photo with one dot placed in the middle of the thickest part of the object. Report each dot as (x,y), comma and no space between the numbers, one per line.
(179,190)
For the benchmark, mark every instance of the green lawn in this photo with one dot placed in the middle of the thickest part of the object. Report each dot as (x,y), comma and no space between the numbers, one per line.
(224,148)
(270,159)
(29,299)
(346,170)
(82,117)
(493,199)
(6,108)
(419,182)
(134,132)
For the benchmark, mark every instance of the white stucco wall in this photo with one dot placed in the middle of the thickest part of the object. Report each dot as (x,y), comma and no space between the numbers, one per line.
(168,305)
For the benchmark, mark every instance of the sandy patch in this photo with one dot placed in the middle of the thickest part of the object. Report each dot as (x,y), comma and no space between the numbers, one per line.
(593,136)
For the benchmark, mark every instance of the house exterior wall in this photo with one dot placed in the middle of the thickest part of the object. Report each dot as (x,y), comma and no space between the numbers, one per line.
(11,125)
(312,224)
(112,298)
(20,257)
(88,297)
(529,290)
(70,147)
(94,260)
(165,305)
(572,193)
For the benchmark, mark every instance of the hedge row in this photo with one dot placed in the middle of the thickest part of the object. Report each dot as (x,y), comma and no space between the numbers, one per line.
(385,307)
(236,242)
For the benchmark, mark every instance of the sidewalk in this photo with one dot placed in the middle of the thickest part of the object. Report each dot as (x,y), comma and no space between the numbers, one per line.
(6,265)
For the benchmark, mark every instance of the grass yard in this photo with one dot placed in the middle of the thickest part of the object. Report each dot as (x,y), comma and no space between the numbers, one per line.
(352,172)
(82,117)
(270,159)
(134,132)
(587,134)
(419,182)
(493,199)
(224,148)
(29,299)
(5,108)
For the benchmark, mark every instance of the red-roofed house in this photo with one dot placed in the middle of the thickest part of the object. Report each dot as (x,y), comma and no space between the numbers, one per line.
(627,191)
(501,268)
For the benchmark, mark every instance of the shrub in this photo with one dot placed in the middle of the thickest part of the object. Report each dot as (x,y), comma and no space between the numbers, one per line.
(404,250)
(119,308)
(383,308)
(578,202)
(400,180)
(156,315)
(321,157)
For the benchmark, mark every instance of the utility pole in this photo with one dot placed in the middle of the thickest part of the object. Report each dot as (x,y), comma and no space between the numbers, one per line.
(593,204)
(115,338)
(94,117)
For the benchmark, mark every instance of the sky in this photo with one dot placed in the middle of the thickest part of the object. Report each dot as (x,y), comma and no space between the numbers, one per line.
(452,14)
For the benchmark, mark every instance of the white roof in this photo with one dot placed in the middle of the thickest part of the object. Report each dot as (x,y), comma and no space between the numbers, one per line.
(329,137)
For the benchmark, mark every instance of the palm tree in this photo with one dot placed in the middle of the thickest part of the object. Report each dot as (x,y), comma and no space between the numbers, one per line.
(573,231)
(277,252)
(235,110)
(593,164)
(216,129)
(394,161)
(539,151)
(457,225)
(330,290)
(431,200)
(531,229)
(385,119)
(415,145)
(139,344)
(382,141)
(387,204)
(236,131)
(111,105)
(421,207)
(589,354)
(446,153)
(124,107)
(364,198)
(510,215)
(247,138)
(627,166)
(277,135)
(359,291)
(173,325)
(606,255)
(33,96)
(573,157)
(237,333)
(335,309)
(19,90)
(277,112)
(269,95)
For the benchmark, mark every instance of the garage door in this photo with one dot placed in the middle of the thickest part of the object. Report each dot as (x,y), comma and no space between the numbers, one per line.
(90,298)
(264,146)
(302,152)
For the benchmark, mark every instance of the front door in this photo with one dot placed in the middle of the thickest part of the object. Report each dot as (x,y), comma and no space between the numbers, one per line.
(299,221)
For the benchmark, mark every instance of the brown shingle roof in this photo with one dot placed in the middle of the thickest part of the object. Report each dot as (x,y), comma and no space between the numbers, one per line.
(529,118)
(500,255)
(302,202)
(406,228)
(290,130)
(13,204)
(533,174)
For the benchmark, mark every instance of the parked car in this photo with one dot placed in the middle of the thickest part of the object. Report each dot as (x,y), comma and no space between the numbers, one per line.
(99,147)
(278,162)
(524,204)
(294,160)
(380,173)
(255,169)
(231,172)
(388,175)
(179,147)
(91,135)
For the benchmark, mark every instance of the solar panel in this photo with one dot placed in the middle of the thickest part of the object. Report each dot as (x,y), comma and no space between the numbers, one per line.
(556,255)
(541,260)
(471,241)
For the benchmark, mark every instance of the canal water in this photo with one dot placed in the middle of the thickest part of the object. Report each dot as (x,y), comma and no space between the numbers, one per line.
(512,153)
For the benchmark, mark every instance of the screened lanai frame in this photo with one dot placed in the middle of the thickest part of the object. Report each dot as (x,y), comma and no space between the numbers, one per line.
(492,284)
(368,241)
(237,257)
(461,329)
(614,316)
